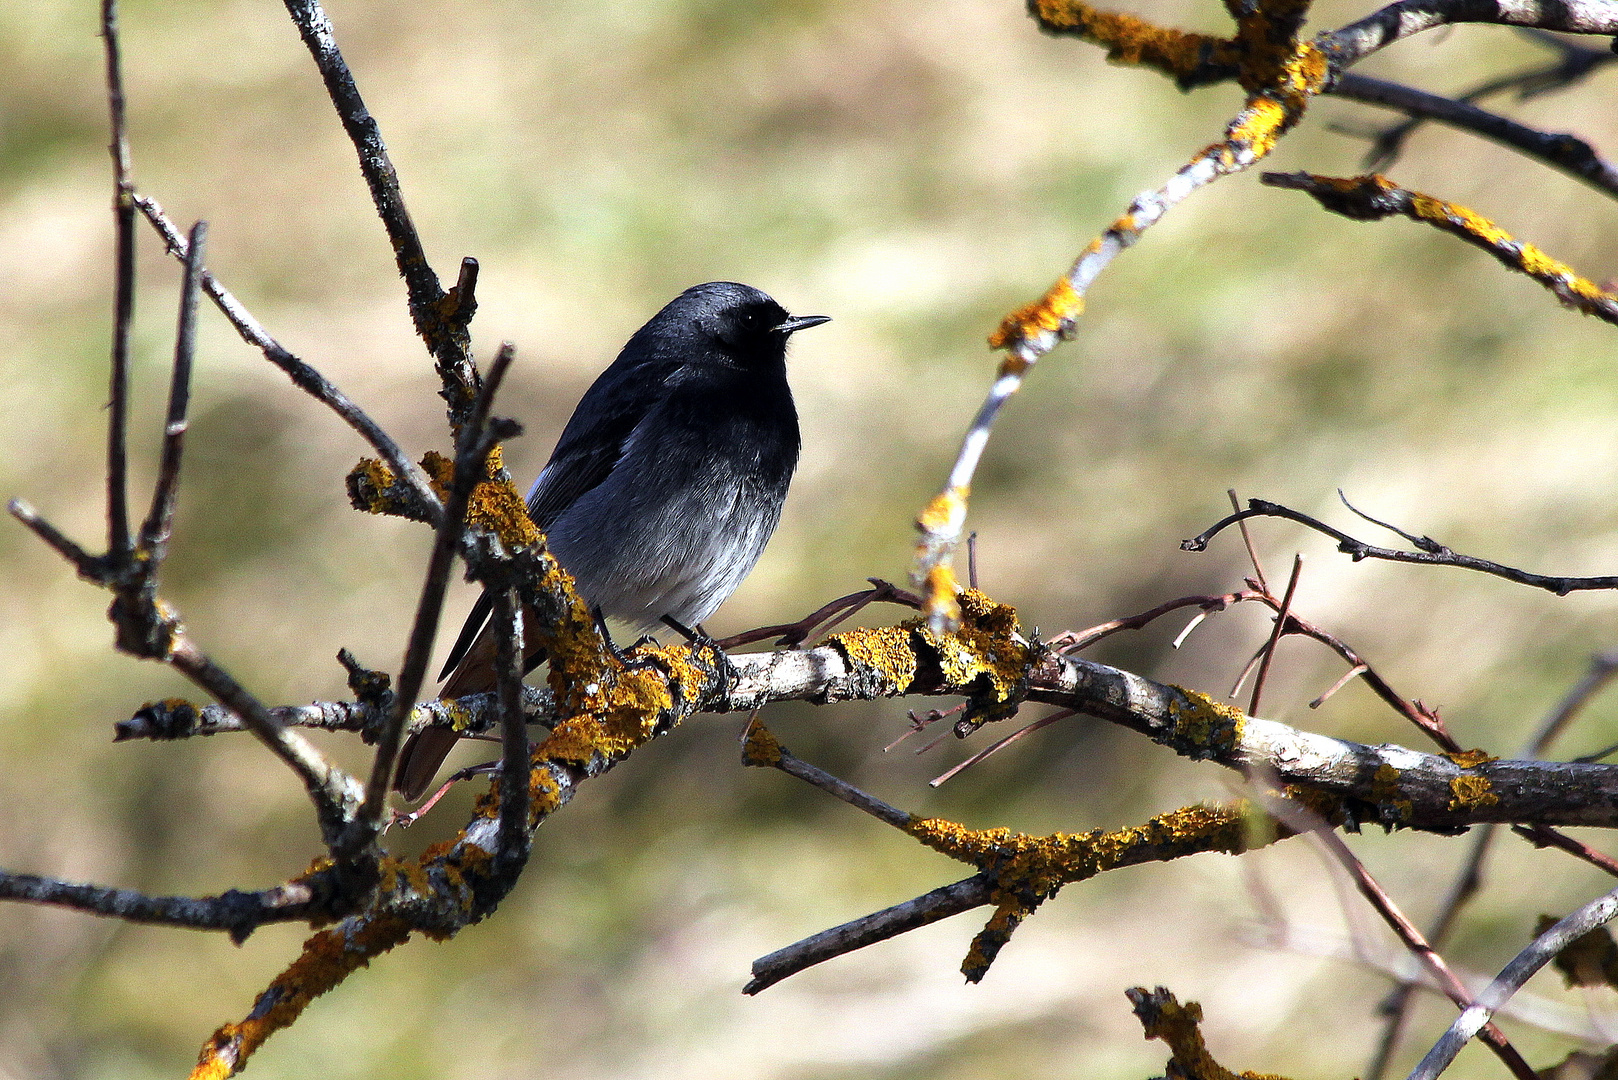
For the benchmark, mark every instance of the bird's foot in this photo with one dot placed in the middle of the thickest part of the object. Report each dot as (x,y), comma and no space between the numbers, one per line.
(627,662)
(701,639)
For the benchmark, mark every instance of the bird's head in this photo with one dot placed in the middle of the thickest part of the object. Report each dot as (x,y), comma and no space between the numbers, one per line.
(739,320)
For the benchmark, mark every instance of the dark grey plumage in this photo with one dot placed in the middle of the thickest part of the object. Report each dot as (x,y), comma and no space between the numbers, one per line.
(666,482)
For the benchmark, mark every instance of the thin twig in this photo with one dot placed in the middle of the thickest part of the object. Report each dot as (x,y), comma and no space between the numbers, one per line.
(235,911)
(853,796)
(118,539)
(513,840)
(1026,729)
(1357,669)
(1567,154)
(839,610)
(159,524)
(1275,635)
(336,795)
(477,439)
(1545,836)
(1539,952)
(1252,552)
(303,376)
(1303,821)
(1441,556)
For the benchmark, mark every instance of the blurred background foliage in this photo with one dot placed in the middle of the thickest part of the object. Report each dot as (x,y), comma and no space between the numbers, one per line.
(915,170)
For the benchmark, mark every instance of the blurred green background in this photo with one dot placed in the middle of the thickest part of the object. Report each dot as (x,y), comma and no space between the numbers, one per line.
(914,170)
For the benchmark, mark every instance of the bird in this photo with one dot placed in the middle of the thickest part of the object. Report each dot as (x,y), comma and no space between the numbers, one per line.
(664,486)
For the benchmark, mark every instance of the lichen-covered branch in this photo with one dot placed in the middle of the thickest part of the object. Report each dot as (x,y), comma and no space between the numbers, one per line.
(1163,1017)
(1281,75)
(1372,198)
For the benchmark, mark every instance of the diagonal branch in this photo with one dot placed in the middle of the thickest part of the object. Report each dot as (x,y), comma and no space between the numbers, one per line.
(1566,153)
(303,376)
(1540,951)
(446,338)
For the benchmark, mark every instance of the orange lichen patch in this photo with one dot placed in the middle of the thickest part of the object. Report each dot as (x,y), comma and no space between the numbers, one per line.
(1471,759)
(440,472)
(328,958)
(1371,198)
(945,513)
(1267,43)
(373,489)
(760,747)
(982,656)
(1385,791)
(1207,727)
(498,506)
(1256,129)
(1053,313)
(1132,40)
(1470,793)
(888,650)
(984,648)
(940,592)
(1041,865)
(1163,1017)
(1028,870)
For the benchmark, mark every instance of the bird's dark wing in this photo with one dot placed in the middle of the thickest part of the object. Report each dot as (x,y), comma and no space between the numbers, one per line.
(595,436)
(591,444)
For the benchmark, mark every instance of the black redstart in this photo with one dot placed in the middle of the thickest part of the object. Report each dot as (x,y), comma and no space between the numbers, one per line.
(666,483)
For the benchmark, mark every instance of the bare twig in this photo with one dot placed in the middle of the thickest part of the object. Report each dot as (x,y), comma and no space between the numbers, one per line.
(1079,640)
(513,838)
(1596,913)
(1302,821)
(159,524)
(1568,154)
(1353,43)
(941,903)
(1252,552)
(477,438)
(118,540)
(1275,636)
(303,376)
(839,610)
(1026,729)
(239,913)
(1440,556)
(446,340)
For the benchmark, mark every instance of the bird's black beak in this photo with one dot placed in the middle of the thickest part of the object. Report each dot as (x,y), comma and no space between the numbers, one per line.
(800,322)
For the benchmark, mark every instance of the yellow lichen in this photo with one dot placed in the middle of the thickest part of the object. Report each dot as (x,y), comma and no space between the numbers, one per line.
(982,655)
(1040,865)
(760,747)
(940,599)
(327,959)
(946,512)
(1131,40)
(1471,759)
(1163,1017)
(1471,793)
(1206,725)
(1051,313)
